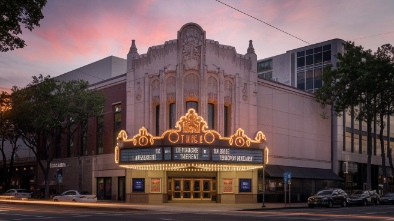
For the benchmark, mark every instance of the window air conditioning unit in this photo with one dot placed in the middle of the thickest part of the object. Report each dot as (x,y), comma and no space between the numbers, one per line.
(274,79)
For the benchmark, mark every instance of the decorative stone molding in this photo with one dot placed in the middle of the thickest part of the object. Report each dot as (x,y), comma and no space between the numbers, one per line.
(138,92)
(192,42)
(228,91)
(245,92)
(155,87)
(191,87)
(212,88)
(171,89)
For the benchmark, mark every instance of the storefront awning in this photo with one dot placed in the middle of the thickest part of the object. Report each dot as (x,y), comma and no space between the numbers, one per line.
(302,172)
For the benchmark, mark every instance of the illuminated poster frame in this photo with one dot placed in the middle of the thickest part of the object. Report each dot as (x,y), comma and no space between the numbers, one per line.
(228,186)
(155,185)
(138,185)
(245,185)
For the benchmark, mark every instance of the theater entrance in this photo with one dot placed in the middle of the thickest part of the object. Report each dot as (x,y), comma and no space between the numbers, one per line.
(192,188)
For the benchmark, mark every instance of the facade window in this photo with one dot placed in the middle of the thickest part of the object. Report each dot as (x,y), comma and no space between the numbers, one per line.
(301,80)
(267,75)
(312,59)
(300,62)
(157,120)
(318,78)
(100,134)
(309,80)
(327,47)
(211,116)
(117,109)
(317,49)
(226,121)
(327,56)
(318,58)
(192,104)
(264,65)
(309,60)
(172,116)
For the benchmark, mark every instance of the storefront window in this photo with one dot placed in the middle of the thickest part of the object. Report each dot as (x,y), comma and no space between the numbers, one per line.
(104,188)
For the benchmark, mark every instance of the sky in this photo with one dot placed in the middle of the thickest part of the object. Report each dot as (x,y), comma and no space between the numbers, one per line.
(75,33)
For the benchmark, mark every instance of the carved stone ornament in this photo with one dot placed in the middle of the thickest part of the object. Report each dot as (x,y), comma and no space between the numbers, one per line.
(245,92)
(228,90)
(192,41)
(212,90)
(191,87)
(138,92)
(171,90)
(155,87)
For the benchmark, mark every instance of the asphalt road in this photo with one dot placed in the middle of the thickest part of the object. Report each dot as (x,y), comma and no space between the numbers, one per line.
(21,212)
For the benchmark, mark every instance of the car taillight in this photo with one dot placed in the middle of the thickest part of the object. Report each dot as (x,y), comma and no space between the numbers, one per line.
(16,194)
(94,197)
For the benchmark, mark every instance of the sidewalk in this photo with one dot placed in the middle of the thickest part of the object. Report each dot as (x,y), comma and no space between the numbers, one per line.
(167,207)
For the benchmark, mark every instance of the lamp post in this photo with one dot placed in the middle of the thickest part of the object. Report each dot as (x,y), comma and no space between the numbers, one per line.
(263,186)
(265,161)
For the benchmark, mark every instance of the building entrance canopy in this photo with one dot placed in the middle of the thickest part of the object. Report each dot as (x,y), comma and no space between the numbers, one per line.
(191,147)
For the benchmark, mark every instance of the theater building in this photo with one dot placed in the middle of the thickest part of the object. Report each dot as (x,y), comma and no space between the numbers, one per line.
(191,121)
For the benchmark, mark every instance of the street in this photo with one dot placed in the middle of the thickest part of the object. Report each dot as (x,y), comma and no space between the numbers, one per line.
(24,212)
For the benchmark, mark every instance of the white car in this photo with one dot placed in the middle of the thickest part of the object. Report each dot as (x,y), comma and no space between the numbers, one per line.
(17,193)
(75,196)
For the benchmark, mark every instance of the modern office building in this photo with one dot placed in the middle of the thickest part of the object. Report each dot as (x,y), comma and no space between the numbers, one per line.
(302,68)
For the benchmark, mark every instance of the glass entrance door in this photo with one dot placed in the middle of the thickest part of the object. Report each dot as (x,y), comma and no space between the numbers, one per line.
(191,188)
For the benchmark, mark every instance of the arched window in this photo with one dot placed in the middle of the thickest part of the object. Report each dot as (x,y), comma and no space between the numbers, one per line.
(211,116)
(172,115)
(192,104)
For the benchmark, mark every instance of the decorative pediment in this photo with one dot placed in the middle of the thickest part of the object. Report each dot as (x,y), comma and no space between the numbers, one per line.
(191,123)
(190,129)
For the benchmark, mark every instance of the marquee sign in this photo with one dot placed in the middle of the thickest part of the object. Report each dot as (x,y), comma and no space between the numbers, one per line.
(193,145)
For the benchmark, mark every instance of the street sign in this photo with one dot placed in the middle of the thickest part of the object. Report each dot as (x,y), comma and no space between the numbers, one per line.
(287,177)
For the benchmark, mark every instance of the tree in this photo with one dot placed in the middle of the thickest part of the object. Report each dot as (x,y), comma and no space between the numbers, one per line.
(385,98)
(14,13)
(7,133)
(45,109)
(352,86)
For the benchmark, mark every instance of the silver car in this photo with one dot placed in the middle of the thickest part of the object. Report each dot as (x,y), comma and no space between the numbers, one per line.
(17,193)
(75,196)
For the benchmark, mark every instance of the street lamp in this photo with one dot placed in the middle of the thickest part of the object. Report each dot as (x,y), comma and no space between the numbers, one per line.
(265,161)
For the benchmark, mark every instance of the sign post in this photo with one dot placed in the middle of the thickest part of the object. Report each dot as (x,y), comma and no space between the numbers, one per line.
(284,185)
(287,180)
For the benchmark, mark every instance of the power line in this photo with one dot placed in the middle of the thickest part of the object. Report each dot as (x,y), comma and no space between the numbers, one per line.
(263,22)
(374,35)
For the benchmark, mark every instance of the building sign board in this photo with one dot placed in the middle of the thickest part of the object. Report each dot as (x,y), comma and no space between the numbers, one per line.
(191,141)
(213,154)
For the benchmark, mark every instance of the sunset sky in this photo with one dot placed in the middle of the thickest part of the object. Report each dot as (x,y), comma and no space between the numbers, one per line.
(78,32)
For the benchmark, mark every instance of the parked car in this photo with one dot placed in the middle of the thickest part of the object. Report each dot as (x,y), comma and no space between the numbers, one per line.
(17,193)
(360,197)
(75,196)
(387,198)
(328,198)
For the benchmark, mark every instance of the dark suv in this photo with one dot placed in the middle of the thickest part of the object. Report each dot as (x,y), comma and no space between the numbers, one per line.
(328,198)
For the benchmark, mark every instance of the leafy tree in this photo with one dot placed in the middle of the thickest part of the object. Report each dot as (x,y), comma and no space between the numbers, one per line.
(384,70)
(45,109)
(352,86)
(14,13)
(7,134)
